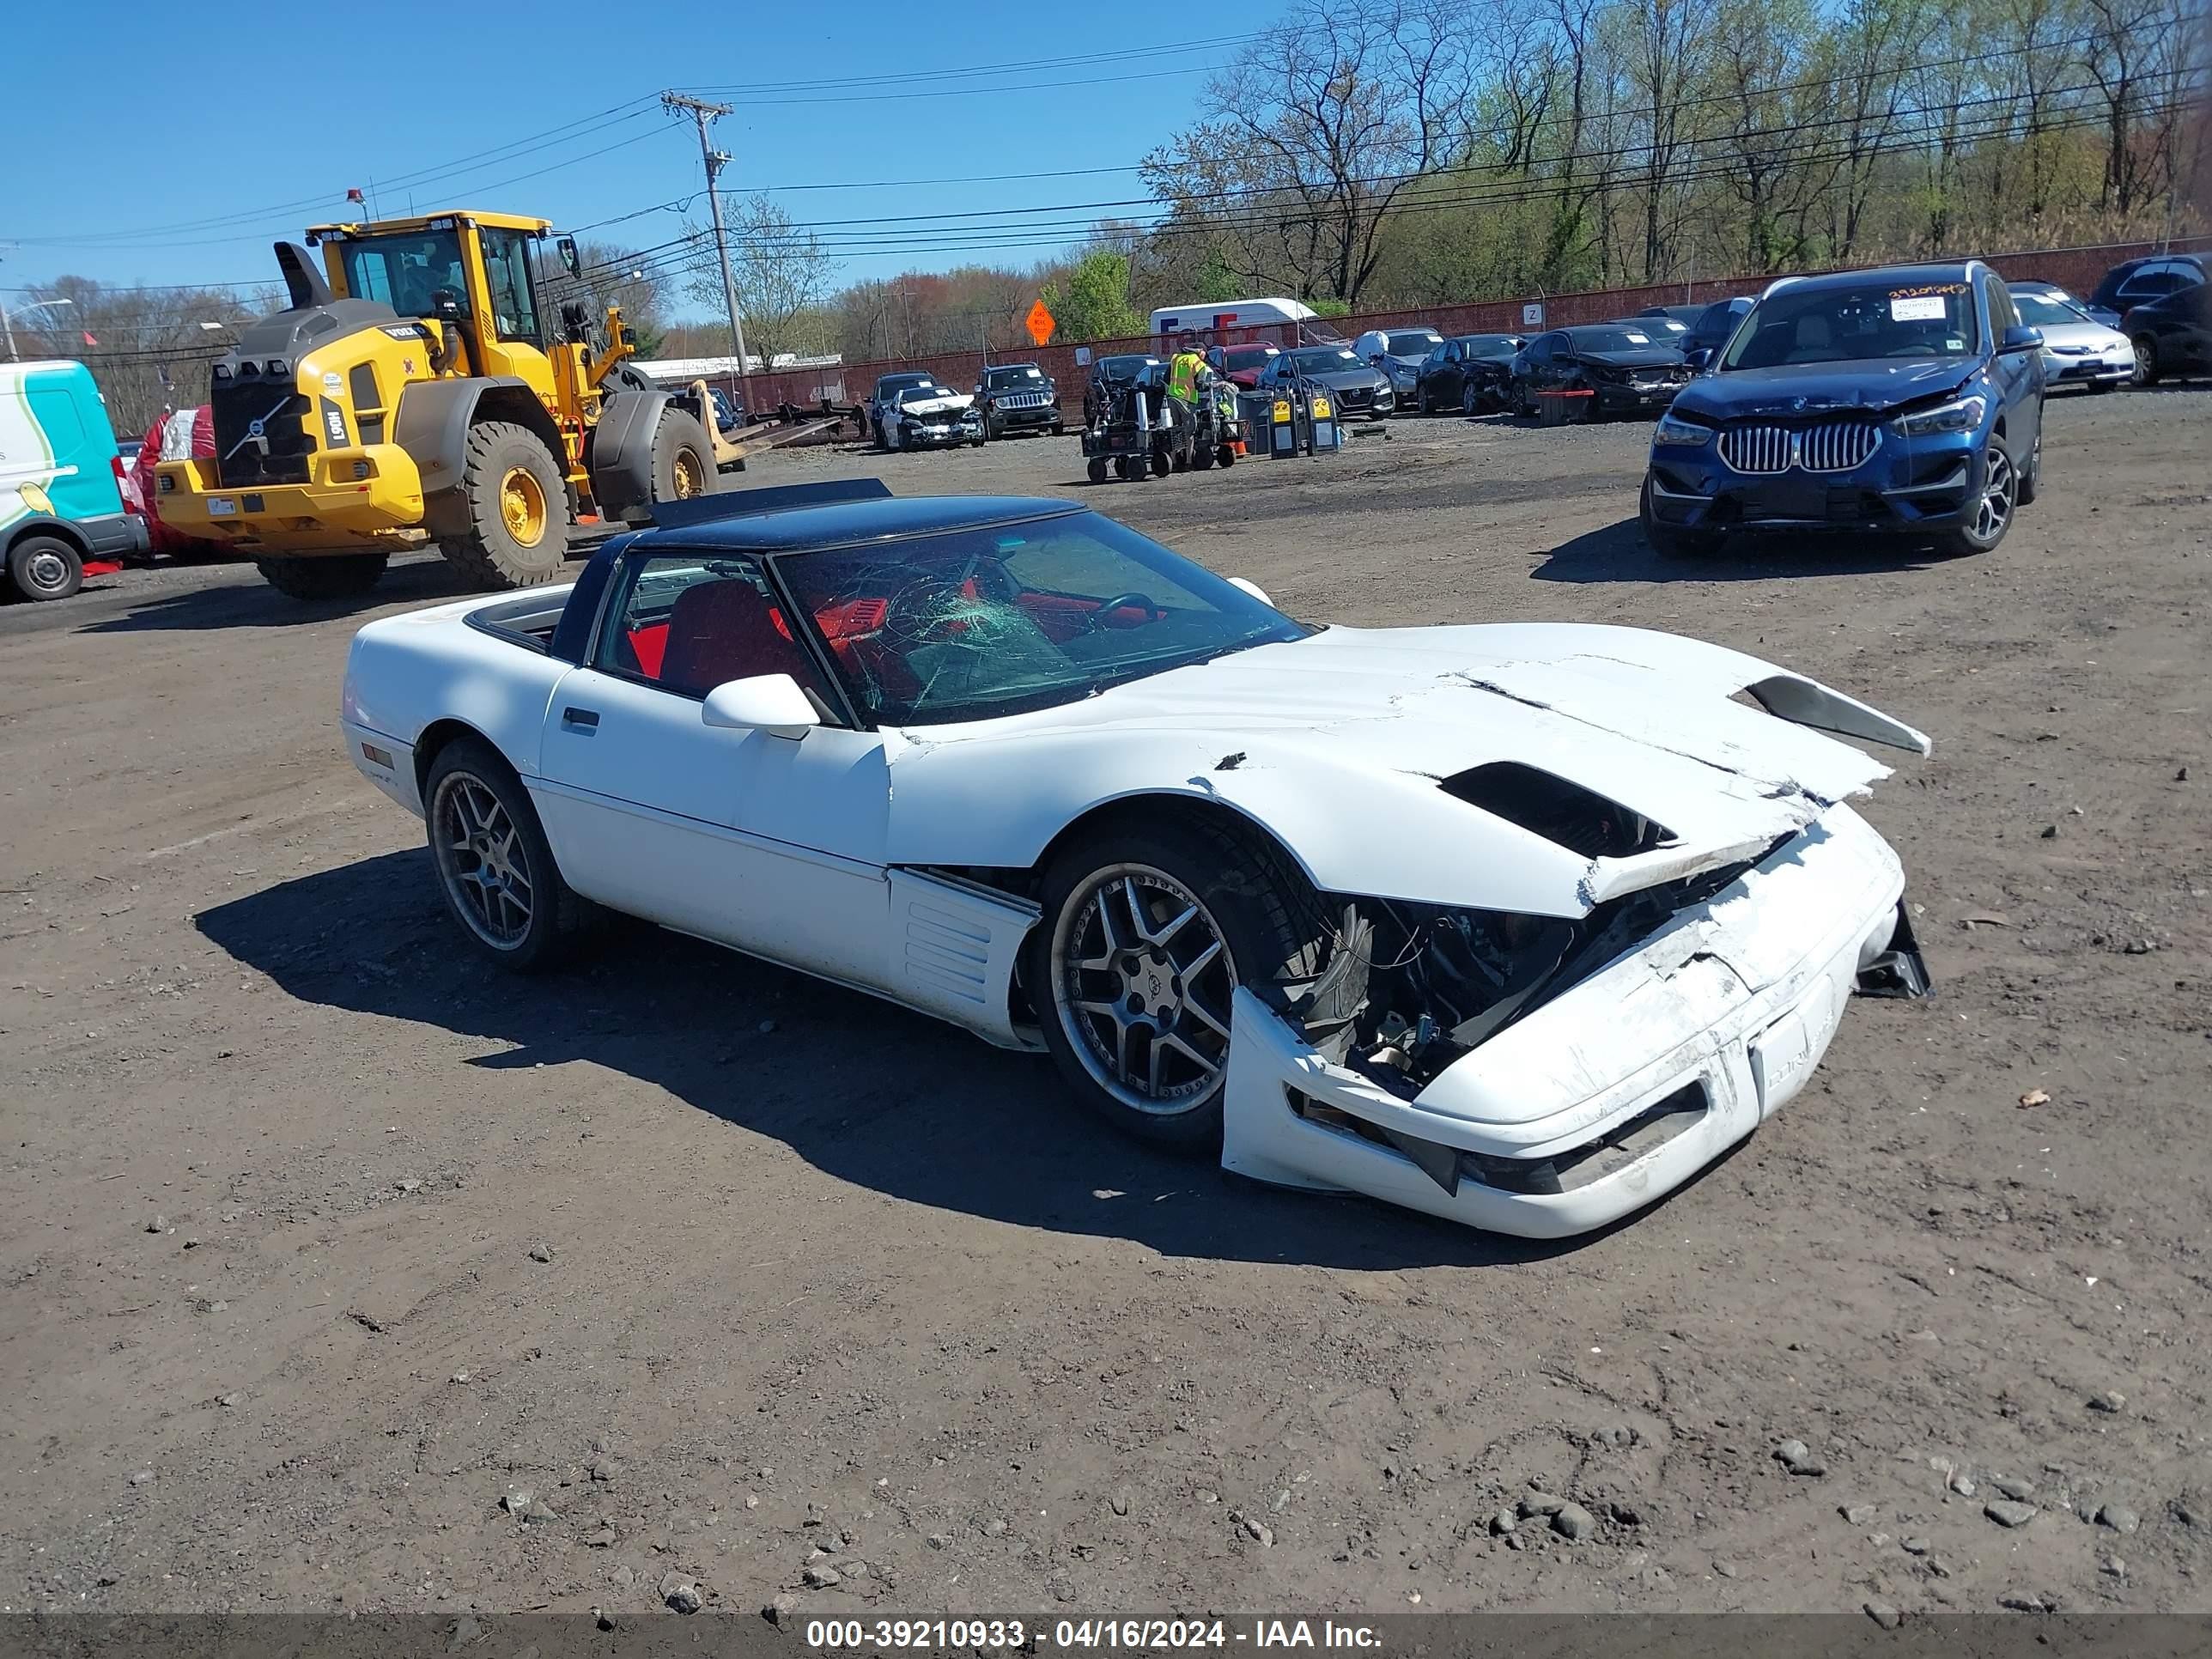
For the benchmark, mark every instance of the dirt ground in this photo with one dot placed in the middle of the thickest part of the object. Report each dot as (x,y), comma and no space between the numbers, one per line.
(825,1276)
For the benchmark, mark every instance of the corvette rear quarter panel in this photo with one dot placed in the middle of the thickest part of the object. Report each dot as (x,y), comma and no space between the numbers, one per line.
(404,674)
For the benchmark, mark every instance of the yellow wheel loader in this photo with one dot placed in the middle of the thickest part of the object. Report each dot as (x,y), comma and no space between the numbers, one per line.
(414,392)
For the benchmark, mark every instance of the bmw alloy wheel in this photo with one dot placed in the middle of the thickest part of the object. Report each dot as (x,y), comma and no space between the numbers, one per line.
(482,861)
(1142,980)
(1994,511)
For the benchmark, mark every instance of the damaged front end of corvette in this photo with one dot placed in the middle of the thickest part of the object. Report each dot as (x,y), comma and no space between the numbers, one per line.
(1544,1074)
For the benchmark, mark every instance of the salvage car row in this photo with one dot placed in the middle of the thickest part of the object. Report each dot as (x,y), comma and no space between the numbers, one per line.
(1628,366)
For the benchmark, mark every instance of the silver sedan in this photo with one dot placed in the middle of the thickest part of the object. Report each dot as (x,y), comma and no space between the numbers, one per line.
(2077,349)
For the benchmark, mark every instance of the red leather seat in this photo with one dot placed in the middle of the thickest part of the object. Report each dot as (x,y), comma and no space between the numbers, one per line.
(730,630)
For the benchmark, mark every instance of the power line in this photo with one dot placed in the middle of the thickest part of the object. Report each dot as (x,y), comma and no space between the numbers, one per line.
(1260,218)
(922,231)
(509,151)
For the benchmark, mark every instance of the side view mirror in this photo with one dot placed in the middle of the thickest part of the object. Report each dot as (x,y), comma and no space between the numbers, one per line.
(2021,337)
(569,256)
(763,702)
(1697,357)
(1252,587)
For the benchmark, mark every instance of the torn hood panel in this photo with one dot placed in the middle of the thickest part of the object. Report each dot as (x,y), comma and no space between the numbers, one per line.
(1339,743)
(943,403)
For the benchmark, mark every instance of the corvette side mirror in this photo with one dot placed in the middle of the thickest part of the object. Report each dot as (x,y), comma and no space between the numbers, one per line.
(763,702)
(1252,588)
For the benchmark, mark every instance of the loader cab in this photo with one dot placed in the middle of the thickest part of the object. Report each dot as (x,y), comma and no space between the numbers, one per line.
(476,272)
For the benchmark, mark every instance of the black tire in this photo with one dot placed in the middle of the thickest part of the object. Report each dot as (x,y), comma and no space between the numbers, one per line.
(503,464)
(1162,465)
(556,913)
(1672,541)
(45,567)
(2147,371)
(683,457)
(1096,469)
(1424,397)
(1983,532)
(1060,428)
(876,432)
(1202,457)
(1279,941)
(1470,405)
(332,576)
(1227,455)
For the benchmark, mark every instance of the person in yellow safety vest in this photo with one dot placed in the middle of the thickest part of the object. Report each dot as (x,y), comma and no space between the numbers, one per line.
(1185,369)
(1187,374)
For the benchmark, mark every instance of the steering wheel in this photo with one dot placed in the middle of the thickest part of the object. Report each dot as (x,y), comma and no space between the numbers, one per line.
(1131,600)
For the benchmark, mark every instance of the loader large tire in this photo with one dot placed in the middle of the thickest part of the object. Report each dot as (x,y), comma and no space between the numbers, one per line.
(683,457)
(518,508)
(331,576)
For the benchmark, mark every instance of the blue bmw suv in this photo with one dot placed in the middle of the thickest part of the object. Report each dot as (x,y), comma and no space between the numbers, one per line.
(1906,402)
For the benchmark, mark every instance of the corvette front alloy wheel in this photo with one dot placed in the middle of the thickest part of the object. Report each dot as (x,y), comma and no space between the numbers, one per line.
(1147,934)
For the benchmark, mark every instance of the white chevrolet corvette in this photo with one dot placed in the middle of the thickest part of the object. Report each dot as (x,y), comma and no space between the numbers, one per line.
(1521,924)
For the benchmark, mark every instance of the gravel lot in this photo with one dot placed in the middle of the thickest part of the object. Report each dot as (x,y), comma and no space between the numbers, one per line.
(317,1243)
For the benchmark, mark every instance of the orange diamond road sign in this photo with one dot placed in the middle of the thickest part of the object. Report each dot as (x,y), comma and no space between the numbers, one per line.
(1040,324)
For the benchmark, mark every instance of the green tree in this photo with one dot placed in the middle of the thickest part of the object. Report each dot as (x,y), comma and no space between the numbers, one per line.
(1092,303)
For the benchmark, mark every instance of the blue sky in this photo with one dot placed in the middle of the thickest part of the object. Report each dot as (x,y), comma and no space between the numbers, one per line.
(168,148)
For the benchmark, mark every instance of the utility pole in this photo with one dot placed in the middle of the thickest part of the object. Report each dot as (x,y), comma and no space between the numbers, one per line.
(704,113)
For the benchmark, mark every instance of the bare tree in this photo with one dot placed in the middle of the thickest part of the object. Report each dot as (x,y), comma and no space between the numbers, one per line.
(1668,46)
(1334,113)
(782,272)
(148,348)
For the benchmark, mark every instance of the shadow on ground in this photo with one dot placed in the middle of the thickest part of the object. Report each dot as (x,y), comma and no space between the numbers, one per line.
(252,602)
(1619,553)
(867,1092)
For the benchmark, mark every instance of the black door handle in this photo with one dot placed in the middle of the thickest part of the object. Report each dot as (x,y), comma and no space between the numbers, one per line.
(580,719)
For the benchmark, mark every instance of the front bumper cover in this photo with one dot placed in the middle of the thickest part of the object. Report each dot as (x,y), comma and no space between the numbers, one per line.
(1616,1091)
(1908,484)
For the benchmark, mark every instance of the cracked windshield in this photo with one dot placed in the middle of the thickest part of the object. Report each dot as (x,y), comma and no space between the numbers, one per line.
(974,623)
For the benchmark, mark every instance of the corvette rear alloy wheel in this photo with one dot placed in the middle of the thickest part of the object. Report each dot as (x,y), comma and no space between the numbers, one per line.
(1147,934)
(495,868)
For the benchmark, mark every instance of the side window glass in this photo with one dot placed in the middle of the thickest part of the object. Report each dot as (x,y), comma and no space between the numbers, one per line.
(690,622)
(506,273)
(2004,314)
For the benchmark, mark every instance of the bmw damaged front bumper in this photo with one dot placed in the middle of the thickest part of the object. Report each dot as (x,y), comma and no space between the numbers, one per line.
(1925,484)
(1617,1090)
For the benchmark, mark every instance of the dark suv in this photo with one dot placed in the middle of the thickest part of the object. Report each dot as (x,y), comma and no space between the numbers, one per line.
(2135,282)
(1908,401)
(1019,397)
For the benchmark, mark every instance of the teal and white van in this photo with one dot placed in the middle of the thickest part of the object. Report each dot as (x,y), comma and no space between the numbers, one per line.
(61,502)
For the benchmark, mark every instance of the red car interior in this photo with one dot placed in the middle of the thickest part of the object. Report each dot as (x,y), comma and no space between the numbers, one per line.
(729,630)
